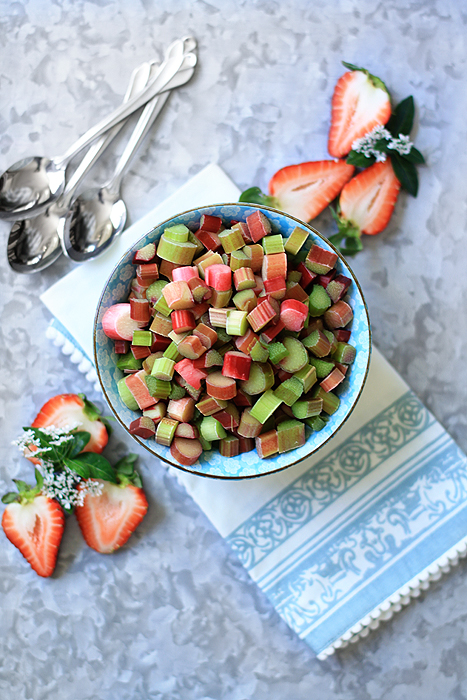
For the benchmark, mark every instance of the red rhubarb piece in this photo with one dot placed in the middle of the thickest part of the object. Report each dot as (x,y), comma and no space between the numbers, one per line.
(139,352)
(219,277)
(293,314)
(211,223)
(187,430)
(140,310)
(337,288)
(271,331)
(220,387)
(296,291)
(183,320)
(190,373)
(143,427)
(342,335)
(274,265)
(138,387)
(236,365)
(320,260)
(181,409)
(186,451)
(244,343)
(145,254)
(207,335)
(160,342)
(324,279)
(209,239)
(258,225)
(191,347)
(338,315)
(178,295)
(148,272)
(307,275)
(117,323)
(333,379)
(185,273)
(276,287)
(121,347)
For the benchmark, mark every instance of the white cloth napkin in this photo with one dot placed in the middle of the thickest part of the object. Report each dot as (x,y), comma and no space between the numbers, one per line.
(343,539)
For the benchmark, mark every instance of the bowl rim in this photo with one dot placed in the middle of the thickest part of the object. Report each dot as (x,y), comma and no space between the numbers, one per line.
(244,476)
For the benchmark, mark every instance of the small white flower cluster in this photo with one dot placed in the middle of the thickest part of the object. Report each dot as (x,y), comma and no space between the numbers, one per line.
(366,144)
(59,436)
(62,486)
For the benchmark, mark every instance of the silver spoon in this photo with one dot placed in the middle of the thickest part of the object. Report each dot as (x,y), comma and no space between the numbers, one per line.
(32,184)
(34,243)
(98,216)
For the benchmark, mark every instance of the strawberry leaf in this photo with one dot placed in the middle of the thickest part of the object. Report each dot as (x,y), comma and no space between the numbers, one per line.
(90,409)
(406,173)
(377,82)
(79,442)
(126,465)
(359,160)
(78,466)
(401,121)
(253,195)
(10,497)
(415,156)
(98,466)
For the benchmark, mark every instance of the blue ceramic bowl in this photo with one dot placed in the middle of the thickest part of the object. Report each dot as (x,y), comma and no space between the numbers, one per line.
(212,463)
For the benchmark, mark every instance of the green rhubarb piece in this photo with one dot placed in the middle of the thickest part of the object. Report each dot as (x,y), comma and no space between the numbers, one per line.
(229,446)
(178,233)
(180,253)
(344,353)
(273,244)
(172,353)
(294,276)
(162,306)
(331,402)
(318,343)
(305,408)
(163,368)
(245,300)
(236,322)
(297,357)
(199,246)
(176,391)
(318,301)
(238,259)
(290,435)
(126,396)
(223,349)
(128,361)
(166,431)
(231,239)
(307,376)
(289,391)
(296,240)
(222,335)
(142,338)
(211,429)
(258,352)
(277,352)
(213,358)
(158,388)
(265,406)
(332,340)
(154,291)
(261,379)
(316,423)
(323,367)
(205,444)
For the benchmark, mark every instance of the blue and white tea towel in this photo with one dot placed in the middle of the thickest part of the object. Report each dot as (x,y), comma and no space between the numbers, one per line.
(342,540)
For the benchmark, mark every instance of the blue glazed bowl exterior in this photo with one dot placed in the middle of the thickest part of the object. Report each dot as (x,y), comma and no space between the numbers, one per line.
(248,464)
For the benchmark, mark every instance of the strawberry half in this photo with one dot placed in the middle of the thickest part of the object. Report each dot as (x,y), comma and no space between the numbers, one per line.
(69,409)
(107,520)
(360,102)
(368,199)
(35,525)
(305,190)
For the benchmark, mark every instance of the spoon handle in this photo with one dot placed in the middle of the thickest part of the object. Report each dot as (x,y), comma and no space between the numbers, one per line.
(138,81)
(176,55)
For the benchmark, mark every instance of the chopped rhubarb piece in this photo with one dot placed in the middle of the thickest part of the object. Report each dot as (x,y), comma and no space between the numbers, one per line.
(140,311)
(145,254)
(295,291)
(229,417)
(190,373)
(342,335)
(274,266)
(166,269)
(290,435)
(211,223)
(236,365)
(249,426)
(183,321)
(297,357)
(245,444)
(231,239)
(143,427)
(207,336)
(211,358)
(333,379)
(121,347)
(307,407)
(245,342)
(181,409)
(293,314)
(199,310)
(165,431)
(324,280)
(220,299)
(276,287)
(258,225)
(338,287)
(267,444)
(282,375)
(296,240)
(255,255)
(242,399)
(317,343)
(139,390)
(331,402)
(204,261)
(260,380)
(244,279)
(209,239)
(338,315)
(156,413)
(320,260)
(178,252)
(220,387)
(209,405)
(344,353)
(270,332)
(244,230)
(187,430)
(139,352)
(185,273)
(148,272)
(229,446)
(307,275)
(199,290)
(219,277)
(159,342)
(191,347)
(319,300)
(117,323)
(261,315)
(178,295)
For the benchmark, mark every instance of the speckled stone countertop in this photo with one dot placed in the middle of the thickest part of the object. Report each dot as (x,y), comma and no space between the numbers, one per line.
(174,615)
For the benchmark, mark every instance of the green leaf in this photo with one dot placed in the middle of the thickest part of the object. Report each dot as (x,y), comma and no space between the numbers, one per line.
(352,246)
(10,497)
(78,466)
(99,467)
(126,465)
(90,409)
(39,479)
(359,160)
(79,442)
(21,485)
(377,82)
(401,121)
(254,195)
(415,156)
(406,173)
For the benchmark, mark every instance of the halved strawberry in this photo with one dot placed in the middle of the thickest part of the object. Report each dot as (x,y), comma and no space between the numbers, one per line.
(69,409)
(35,525)
(107,520)
(360,102)
(305,190)
(368,199)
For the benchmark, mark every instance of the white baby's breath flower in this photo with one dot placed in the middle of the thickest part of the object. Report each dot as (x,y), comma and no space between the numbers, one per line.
(366,145)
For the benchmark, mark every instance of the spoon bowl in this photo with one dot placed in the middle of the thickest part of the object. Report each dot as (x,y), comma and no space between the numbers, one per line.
(31,184)
(34,243)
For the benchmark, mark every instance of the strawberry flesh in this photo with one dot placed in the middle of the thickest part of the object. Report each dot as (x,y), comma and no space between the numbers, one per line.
(36,529)
(358,105)
(107,521)
(305,190)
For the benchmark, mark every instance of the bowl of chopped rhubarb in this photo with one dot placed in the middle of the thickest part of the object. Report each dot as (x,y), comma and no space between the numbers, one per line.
(232,341)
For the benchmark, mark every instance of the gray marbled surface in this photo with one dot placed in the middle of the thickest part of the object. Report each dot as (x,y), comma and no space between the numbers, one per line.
(173,614)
